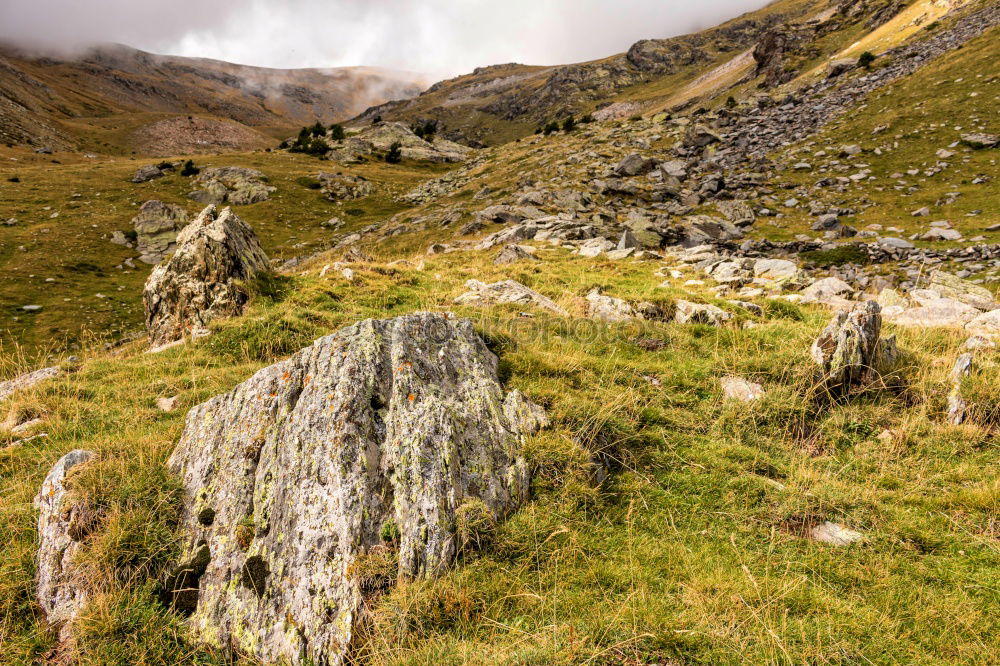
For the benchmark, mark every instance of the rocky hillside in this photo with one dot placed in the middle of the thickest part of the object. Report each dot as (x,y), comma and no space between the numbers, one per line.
(707,386)
(97,100)
(501,102)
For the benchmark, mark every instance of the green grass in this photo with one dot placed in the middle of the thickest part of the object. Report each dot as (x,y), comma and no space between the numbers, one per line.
(921,113)
(665,524)
(690,552)
(94,199)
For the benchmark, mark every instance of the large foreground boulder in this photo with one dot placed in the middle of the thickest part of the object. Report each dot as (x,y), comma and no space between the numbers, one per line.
(61,528)
(202,280)
(375,443)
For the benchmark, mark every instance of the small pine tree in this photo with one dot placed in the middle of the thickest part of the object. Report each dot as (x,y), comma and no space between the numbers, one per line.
(317,146)
(730,102)
(866,59)
(317,129)
(395,154)
(190,169)
(587,119)
(376,120)
(550,127)
(337,132)
(569,124)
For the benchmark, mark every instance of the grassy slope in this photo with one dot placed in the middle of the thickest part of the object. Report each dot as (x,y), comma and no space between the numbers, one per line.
(74,249)
(924,113)
(691,551)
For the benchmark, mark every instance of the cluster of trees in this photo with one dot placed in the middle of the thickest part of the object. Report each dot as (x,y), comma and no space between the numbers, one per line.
(426,130)
(312,139)
(568,125)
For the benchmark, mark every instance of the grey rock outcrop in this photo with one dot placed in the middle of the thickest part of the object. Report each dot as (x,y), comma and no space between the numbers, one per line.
(608,308)
(963,291)
(849,348)
(151,172)
(234,185)
(700,313)
(344,187)
(511,254)
(201,281)
(156,227)
(25,381)
(61,529)
(373,441)
(506,291)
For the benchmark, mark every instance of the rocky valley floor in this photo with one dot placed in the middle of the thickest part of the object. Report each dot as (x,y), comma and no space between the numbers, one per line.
(692,454)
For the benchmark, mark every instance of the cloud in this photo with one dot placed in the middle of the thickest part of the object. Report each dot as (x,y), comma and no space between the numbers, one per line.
(440,37)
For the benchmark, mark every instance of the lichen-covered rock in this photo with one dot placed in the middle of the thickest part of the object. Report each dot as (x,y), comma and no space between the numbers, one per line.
(511,254)
(235,185)
(849,348)
(740,389)
(25,381)
(738,212)
(201,281)
(152,171)
(963,291)
(156,227)
(61,528)
(344,187)
(506,291)
(373,441)
(608,308)
(700,313)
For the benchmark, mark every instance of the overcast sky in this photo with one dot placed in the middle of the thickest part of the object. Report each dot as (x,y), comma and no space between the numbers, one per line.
(437,37)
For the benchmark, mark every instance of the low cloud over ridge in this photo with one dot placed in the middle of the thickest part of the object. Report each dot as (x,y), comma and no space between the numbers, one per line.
(439,37)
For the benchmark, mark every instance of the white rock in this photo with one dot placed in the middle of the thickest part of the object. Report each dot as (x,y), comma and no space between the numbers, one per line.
(834,534)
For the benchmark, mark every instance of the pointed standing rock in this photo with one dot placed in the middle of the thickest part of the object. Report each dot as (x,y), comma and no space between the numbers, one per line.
(372,442)
(201,281)
(60,531)
(849,348)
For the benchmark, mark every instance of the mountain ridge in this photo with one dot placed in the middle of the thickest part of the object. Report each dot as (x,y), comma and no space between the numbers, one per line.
(60,100)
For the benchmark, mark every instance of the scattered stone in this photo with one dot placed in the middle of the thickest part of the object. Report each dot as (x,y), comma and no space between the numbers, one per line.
(779,270)
(507,291)
(202,280)
(978,140)
(344,187)
(700,313)
(834,534)
(737,388)
(608,308)
(26,381)
(511,254)
(963,291)
(372,454)
(152,171)
(828,290)
(986,324)
(634,165)
(167,404)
